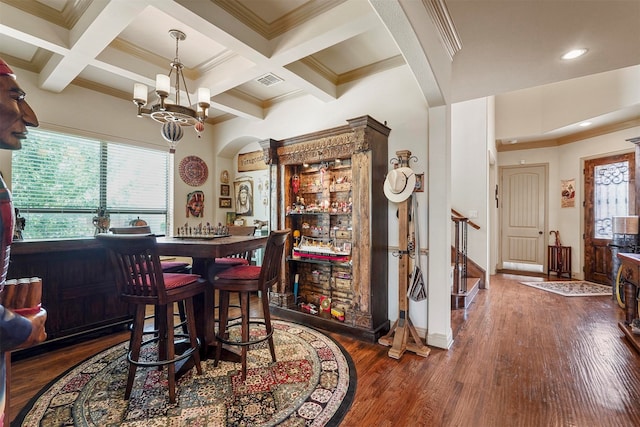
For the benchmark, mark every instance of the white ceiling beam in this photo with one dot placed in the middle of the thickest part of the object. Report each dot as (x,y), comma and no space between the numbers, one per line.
(278,55)
(216,23)
(414,32)
(308,79)
(100,24)
(341,23)
(237,106)
(33,30)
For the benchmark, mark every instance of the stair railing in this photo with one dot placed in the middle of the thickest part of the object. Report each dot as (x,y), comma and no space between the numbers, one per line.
(460,275)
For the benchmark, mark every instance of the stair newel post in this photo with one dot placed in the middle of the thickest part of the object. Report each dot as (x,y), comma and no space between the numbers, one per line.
(403,335)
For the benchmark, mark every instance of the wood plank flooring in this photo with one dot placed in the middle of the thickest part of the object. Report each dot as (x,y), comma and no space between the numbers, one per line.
(521,357)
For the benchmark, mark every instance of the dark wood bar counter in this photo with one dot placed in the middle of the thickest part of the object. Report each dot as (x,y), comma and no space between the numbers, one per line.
(79,292)
(78,286)
(630,274)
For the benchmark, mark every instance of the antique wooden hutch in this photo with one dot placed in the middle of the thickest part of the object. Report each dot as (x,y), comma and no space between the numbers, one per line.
(327,187)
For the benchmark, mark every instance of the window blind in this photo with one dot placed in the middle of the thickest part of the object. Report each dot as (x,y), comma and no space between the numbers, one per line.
(60,181)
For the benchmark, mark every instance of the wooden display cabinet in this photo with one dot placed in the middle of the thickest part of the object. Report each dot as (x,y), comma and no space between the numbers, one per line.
(327,187)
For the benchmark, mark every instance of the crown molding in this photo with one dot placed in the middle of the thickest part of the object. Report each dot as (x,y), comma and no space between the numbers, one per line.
(106,90)
(568,139)
(271,30)
(65,18)
(439,14)
(371,69)
(320,68)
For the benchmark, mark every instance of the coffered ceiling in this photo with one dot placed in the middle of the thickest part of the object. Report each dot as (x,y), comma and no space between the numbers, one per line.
(314,46)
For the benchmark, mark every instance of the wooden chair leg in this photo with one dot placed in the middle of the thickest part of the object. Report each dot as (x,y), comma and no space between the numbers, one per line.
(161,322)
(267,321)
(182,314)
(223,311)
(170,352)
(244,309)
(193,335)
(134,347)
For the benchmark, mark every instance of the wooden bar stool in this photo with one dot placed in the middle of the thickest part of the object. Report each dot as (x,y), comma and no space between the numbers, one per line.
(244,280)
(167,266)
(141,282)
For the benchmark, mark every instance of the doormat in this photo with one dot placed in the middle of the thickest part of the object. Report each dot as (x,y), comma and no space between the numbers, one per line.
(313,382)
(572,288)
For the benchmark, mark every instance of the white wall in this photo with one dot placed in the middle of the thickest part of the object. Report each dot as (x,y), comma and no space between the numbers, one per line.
(260,179)
(469,173)
(566,162)
(390,97)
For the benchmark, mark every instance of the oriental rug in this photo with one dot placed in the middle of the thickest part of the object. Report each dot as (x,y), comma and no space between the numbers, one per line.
(572,288)
(311,384)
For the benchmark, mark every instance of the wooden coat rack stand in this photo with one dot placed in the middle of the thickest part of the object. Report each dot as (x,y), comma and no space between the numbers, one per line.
(403,335)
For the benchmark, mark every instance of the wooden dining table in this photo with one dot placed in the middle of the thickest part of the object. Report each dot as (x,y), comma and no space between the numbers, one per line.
(203,251)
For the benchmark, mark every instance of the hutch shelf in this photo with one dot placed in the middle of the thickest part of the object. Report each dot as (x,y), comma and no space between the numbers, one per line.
(327,187)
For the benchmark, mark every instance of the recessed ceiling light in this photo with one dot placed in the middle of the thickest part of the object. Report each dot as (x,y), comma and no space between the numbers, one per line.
(585,124)
(575,53)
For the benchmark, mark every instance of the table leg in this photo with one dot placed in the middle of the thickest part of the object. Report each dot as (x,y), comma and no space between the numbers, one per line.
(203,306)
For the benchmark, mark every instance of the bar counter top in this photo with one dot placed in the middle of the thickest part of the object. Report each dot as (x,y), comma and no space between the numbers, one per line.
(24,247)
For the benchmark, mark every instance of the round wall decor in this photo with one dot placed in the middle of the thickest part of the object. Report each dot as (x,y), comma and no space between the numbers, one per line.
(193,171)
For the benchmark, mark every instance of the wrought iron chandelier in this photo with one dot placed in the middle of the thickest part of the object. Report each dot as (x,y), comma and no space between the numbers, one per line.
(173,115)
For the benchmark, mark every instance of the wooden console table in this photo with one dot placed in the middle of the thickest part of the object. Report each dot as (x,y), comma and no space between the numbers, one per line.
(630,274)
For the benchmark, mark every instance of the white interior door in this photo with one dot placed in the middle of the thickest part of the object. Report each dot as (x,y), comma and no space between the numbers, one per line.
(523,217)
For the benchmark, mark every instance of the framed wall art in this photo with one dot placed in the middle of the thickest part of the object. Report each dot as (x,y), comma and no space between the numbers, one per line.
(419,183)
(224,202)
(243,191)
(225,190)
(193,171)
(195,204)
(231,217)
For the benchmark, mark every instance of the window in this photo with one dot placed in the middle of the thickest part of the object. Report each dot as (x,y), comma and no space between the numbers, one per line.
(60,181)
(611,188)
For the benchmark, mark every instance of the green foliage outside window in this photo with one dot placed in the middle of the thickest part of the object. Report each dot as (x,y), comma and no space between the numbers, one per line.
(60,181)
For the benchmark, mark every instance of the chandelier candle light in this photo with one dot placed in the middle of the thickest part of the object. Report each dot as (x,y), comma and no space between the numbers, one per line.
(173,115)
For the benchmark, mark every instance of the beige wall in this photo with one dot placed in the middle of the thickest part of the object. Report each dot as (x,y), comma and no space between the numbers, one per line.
(390,97)
(566,162)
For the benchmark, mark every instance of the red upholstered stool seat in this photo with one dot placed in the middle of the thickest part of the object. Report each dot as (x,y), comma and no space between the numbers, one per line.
(224,263)
(241,272)
(175,280)
(174,266)
(231,261)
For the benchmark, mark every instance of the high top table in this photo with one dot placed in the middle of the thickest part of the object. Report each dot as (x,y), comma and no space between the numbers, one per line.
(203,251)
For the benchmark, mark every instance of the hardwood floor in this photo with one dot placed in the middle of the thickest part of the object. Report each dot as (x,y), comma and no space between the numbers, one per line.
(521,357)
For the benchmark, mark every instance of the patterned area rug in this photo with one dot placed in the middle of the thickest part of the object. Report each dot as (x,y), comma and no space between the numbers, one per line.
(311,384)
(572,288)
